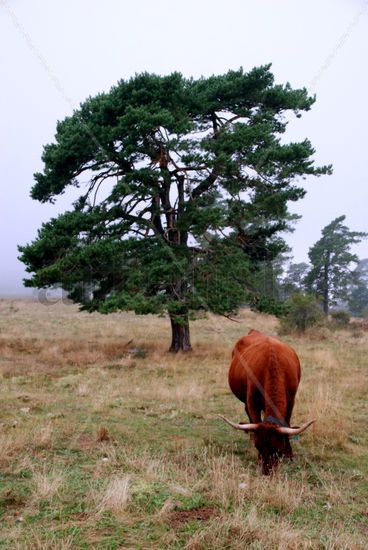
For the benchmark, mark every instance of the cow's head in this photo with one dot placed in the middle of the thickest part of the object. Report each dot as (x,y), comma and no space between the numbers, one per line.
(271,441)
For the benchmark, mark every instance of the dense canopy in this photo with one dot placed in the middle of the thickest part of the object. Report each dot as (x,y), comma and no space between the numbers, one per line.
(187,188)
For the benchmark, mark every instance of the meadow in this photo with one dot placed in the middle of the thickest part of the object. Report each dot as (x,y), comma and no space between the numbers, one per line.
(108,441)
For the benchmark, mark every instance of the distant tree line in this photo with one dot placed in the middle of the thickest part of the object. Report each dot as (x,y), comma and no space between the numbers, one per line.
(334,278)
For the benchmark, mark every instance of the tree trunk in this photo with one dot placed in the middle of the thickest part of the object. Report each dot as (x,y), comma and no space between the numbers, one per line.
(326,308)
(326,290)
(180,333)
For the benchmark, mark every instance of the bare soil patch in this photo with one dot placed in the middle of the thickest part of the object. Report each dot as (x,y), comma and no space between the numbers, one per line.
(179,517)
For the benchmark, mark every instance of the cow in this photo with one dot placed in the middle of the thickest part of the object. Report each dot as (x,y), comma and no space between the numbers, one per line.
(264,374)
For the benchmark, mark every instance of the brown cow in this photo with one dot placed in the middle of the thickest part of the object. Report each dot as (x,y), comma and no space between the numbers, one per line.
(264,374)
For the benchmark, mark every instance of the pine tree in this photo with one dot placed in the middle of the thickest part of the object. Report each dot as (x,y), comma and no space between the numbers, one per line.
(188,186)
(358,291)
(294,279)
(332,260)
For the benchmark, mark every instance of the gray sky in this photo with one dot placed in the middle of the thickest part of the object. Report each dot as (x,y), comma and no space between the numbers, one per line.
(56,53)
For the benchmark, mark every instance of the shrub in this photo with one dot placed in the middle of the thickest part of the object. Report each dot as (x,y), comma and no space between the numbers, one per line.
(340,318)
(269,304)
(303,312)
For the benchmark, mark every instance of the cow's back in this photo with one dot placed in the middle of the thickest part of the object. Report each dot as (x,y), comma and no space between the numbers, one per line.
(256,357)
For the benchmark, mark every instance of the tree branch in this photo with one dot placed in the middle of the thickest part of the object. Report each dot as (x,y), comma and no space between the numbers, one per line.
(230,318)
(205,184)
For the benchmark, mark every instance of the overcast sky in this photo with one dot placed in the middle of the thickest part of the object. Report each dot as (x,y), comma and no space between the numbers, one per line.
(56,53)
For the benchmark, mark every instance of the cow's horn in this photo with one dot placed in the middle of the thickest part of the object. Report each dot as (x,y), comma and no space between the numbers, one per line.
(295,431)
(244,427)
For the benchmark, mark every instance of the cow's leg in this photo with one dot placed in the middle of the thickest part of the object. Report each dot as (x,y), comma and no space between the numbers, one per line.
(288,453)
(247,411)
(288,449)
(253,410)
(251,434)
(289,410)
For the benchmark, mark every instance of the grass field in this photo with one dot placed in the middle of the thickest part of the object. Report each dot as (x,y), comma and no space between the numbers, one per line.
(107,441)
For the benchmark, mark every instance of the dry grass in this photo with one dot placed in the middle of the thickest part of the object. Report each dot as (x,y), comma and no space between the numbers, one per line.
(46,484)
(114,497)
(11,444)
(108,441)
(238,531)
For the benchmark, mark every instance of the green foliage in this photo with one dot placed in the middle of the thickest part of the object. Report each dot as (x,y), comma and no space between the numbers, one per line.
(195,184)
(218,278)
(294,280)
(358,299)
(266,279)
(303,312)
(331,260)
(340,318)
(269,304)
(358,292)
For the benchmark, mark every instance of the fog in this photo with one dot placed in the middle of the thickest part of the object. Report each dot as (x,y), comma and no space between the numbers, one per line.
(56,54)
